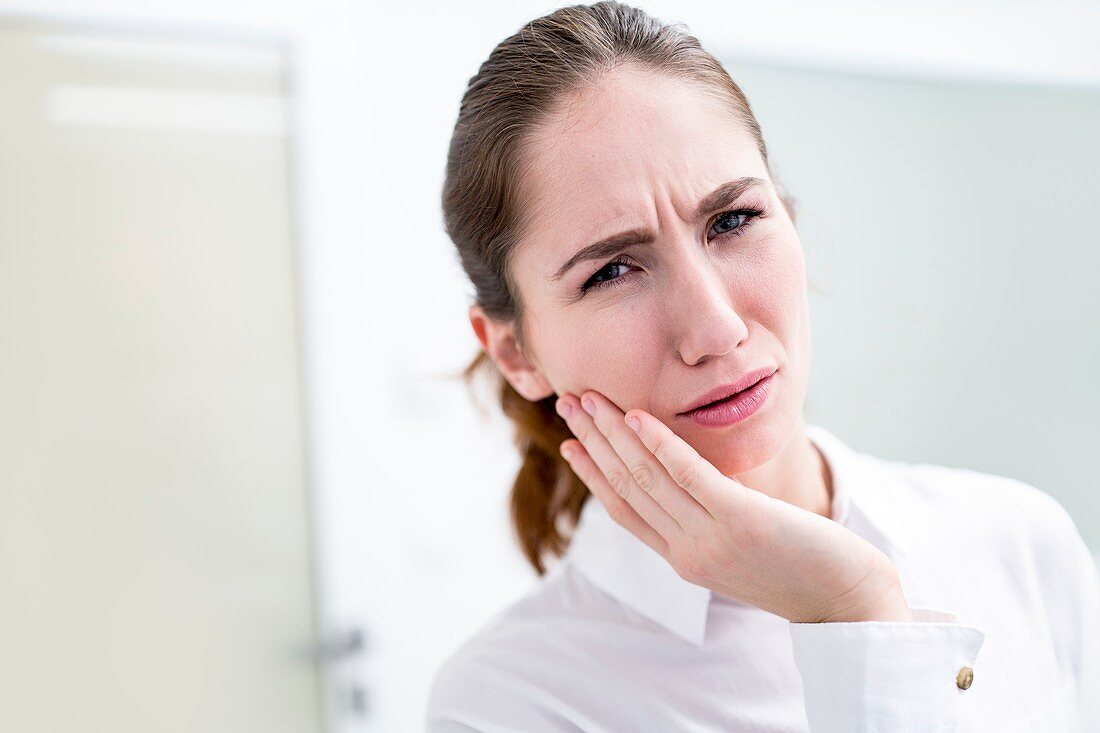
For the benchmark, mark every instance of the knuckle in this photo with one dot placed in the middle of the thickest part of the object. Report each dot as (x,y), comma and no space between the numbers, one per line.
(643,476)
(688,565)
(619,482)
(660,448)
(686,474)
(618,512)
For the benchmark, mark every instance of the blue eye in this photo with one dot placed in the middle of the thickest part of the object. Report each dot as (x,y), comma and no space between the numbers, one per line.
(730,216)
(727,221)
(594,283)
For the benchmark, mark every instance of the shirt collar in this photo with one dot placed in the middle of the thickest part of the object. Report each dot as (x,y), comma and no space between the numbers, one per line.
(630,571)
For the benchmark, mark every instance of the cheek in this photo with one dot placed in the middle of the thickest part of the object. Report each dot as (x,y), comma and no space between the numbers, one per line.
(616,360)
(770,289)
(578,350)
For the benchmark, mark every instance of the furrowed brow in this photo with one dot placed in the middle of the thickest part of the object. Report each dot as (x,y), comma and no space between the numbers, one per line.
(724,195)
(605,248)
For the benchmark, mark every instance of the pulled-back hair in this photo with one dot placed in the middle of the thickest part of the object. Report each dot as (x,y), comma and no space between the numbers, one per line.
(513,92)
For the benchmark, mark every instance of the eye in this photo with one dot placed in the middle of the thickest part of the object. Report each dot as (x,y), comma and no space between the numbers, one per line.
(727,218)
(594,283)
(731,223)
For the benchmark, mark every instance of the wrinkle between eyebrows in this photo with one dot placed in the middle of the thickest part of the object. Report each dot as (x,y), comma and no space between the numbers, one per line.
(724,195)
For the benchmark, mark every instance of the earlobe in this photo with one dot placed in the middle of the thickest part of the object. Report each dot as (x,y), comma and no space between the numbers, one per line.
(536,387)
(525,377)
(499,341)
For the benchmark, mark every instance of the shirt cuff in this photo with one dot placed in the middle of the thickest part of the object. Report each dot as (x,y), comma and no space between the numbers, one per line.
(864,676)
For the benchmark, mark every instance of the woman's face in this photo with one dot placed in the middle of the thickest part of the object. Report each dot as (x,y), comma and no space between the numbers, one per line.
(715,294)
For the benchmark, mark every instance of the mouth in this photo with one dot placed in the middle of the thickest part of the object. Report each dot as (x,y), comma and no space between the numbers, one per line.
(728,392)
(726,399)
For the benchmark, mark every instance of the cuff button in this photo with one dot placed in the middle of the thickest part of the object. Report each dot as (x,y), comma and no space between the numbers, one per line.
(964,678)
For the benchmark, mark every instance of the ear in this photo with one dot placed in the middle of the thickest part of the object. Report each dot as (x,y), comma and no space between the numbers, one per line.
(499,341)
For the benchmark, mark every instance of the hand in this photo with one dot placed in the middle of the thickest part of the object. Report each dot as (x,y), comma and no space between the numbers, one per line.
(719,533)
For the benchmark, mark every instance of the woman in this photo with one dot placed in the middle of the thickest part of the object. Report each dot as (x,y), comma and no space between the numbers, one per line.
(609,193)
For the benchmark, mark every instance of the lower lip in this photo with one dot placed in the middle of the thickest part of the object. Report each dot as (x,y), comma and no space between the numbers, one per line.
(736,408)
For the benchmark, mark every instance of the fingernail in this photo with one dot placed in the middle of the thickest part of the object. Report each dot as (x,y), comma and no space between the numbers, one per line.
(564,409)
(566,453)
(634,423)
(589,406)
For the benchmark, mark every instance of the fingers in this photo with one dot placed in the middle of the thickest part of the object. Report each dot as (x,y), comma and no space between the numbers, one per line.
(613,473)
(714,492)
(585,468)
(648,474)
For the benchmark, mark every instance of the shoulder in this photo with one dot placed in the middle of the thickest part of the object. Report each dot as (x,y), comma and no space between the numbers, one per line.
(1026,530)
(1009,508)
(1040,551)
(528,664)
(482,680)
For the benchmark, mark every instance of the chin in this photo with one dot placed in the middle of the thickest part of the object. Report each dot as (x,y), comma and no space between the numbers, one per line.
(743,446)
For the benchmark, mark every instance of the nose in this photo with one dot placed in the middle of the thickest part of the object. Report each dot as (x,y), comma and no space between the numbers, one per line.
(703,314)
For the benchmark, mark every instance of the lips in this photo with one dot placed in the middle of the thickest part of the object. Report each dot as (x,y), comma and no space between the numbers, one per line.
(726,390)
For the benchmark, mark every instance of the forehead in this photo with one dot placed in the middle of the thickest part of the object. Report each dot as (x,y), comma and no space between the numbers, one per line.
(608,157)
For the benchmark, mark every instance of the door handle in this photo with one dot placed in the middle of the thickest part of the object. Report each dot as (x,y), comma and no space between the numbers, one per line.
(335,647)
(329,652)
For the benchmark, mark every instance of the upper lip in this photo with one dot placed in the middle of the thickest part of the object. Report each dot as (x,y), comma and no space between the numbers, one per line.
(726,390)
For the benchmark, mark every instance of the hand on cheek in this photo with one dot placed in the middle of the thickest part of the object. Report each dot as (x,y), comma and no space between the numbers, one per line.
(717,532)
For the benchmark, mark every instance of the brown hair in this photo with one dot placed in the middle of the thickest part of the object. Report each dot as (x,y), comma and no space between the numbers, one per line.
(513,91)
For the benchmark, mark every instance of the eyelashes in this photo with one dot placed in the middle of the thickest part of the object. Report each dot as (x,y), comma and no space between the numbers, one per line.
(750,214)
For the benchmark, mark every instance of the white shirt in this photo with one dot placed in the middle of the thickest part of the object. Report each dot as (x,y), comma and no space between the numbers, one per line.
(612,640)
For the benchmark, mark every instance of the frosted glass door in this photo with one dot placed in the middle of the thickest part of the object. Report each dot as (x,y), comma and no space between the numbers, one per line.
(155,561)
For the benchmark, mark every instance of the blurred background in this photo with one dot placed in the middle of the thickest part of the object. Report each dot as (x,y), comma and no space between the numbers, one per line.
(240,489)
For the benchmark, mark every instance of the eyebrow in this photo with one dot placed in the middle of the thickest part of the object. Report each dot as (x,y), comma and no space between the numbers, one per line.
(722,196)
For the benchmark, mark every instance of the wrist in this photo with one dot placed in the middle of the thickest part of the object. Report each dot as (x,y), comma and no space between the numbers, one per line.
(897,610)
(889,605)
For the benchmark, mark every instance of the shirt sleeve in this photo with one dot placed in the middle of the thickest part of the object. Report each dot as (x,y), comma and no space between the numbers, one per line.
(477,695)
(1087,664)
(1073,605)
(864,676)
